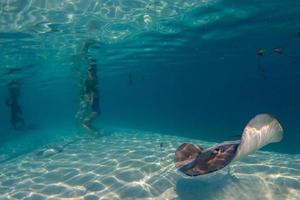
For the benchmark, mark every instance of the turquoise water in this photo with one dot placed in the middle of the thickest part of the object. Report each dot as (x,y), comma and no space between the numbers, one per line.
(188,69)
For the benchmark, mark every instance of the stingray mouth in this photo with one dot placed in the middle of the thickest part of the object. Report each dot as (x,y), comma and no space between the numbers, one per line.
(207,161)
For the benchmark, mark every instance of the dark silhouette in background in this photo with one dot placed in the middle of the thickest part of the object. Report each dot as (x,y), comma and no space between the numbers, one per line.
(262,71)
(278,51)
(12,102)
(89,108)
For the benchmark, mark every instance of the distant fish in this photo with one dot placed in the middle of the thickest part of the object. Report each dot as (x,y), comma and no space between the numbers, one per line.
(281,52)
(278,50)
(193,160)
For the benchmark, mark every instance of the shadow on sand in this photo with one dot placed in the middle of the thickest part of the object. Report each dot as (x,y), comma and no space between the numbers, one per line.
(222,186)
(204,188)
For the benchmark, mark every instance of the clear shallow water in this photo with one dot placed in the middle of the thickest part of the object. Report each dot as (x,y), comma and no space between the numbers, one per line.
(129,164)
(188,68)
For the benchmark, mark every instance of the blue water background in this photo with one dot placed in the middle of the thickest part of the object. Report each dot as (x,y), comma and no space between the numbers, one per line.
(198,80)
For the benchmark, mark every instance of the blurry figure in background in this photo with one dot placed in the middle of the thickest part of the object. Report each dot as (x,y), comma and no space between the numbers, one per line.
(261,52)
(89,108)
(281,52)
(278,51)
(161,146)
(12,101)
(91,95)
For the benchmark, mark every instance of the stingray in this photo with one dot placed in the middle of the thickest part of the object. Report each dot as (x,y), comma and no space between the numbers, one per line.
(194,160)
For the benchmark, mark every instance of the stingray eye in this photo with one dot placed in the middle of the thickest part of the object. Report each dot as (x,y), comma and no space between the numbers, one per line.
(219,150)
(216,151)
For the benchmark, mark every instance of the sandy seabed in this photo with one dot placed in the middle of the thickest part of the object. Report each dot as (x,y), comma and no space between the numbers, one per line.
(129,164)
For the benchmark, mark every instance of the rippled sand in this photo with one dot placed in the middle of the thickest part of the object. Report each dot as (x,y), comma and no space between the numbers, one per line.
(132,165)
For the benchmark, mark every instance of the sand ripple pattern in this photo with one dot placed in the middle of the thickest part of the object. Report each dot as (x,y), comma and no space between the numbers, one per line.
(132,165)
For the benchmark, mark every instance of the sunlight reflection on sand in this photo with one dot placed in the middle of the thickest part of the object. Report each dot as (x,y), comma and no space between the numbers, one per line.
(130,165)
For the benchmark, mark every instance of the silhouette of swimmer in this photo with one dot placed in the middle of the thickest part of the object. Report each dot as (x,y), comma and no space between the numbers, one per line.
(193,160)
(261,52)
(90,99)
(16,118)
(91,92)
(161,145)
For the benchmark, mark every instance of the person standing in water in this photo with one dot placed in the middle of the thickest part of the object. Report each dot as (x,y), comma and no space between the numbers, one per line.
(89,108)
(92,95)
(12,101)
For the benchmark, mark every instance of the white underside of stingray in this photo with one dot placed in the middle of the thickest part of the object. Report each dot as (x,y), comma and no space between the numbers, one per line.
(263,129)
(193,160)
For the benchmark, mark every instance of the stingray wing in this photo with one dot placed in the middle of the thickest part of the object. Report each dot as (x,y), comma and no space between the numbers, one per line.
(211,159)
(186,153)
(260,131)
